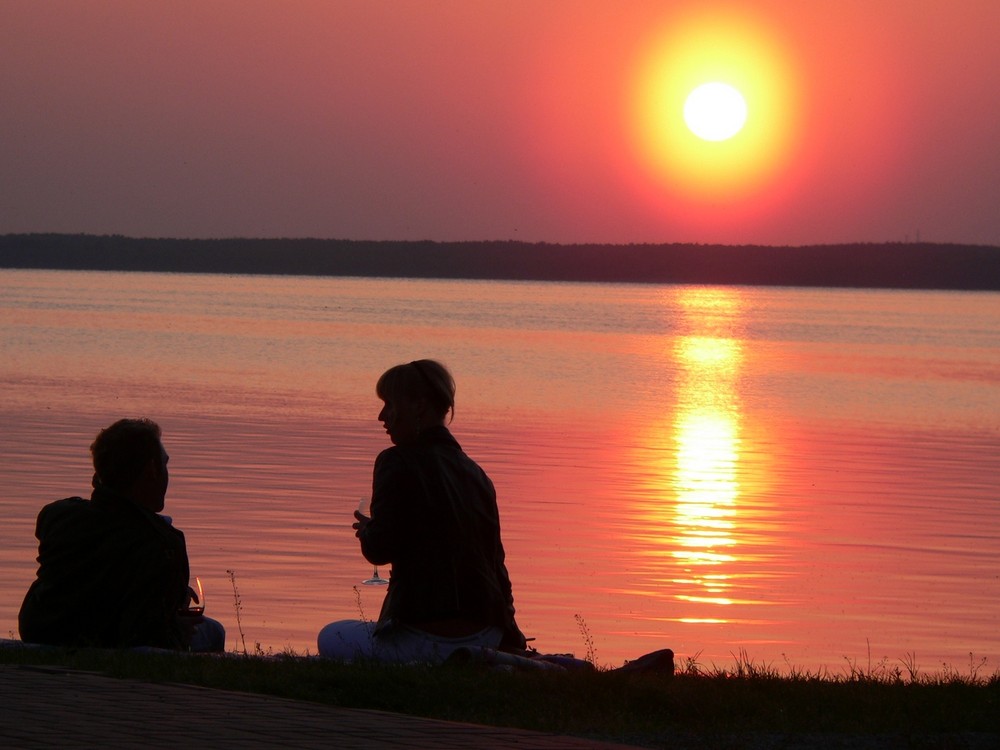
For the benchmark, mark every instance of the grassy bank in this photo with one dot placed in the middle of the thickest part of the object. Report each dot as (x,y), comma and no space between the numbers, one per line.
(648,710)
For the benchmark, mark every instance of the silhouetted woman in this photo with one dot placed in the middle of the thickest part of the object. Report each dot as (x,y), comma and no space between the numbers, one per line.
(434,518)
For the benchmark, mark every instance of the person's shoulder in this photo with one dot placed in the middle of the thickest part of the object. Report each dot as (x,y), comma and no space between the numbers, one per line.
(404,458)
(388,454)
(70,502)
(391,456)
(66,506)
(71,514)
(432,443)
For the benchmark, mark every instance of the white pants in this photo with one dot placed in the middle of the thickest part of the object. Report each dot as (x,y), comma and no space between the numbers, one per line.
(347,640)
(209,636)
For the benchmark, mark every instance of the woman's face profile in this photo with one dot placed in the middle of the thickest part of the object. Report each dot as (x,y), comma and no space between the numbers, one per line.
(401,418)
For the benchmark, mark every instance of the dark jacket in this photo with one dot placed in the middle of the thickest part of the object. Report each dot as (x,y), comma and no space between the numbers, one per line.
(434,517)
(110,574)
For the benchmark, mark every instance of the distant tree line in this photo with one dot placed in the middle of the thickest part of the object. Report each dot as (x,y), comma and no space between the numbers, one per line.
(888,265)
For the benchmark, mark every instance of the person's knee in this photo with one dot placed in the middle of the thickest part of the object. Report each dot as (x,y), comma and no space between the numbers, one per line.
(209,636)
(326,638)
(345,640)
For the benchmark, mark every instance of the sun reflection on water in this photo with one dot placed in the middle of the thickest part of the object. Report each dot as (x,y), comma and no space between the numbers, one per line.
(695,484)
(705,479)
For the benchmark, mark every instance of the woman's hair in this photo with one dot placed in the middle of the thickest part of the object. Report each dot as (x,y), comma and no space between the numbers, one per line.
(422,378)
(123,450)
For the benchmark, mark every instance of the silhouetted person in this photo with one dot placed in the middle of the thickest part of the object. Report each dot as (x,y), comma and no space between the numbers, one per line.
(112,572)
(434,518)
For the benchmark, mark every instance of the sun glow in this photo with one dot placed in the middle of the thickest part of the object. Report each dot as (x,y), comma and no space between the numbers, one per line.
(713,107)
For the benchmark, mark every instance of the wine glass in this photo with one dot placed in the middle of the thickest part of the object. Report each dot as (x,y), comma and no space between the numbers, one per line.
(376,579)
(196,604)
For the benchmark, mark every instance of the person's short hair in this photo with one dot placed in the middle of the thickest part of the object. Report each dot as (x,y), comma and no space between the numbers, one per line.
(124,449)
(422,378)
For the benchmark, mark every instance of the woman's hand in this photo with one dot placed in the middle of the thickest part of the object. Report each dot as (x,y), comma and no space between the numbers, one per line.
(360,522)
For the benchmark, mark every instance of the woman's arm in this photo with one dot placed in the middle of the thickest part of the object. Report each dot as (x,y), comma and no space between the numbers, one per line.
(381,536)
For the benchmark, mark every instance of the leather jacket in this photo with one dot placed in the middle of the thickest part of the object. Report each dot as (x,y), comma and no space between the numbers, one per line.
(434,518)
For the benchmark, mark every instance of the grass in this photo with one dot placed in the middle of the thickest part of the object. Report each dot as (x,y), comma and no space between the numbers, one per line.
(723,706)
(719,704)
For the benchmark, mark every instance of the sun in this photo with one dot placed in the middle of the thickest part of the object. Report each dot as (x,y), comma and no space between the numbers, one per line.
(715,111)
(713,106)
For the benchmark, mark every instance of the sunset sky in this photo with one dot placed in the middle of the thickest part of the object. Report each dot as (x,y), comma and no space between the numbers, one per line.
(536,120)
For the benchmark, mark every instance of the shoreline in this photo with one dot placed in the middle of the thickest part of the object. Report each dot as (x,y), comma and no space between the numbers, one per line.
(924,265)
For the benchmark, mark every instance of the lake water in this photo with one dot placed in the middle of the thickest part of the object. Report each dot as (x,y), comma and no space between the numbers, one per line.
(810,477)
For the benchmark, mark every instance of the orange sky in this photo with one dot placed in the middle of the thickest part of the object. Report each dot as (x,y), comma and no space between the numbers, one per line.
(874,120)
